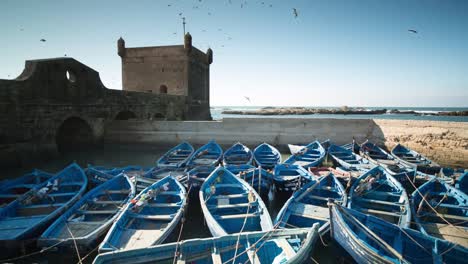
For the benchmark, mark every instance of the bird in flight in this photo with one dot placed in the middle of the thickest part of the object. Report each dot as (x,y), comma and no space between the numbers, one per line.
(43,40)
(295,13)
(413,31)
(247,98)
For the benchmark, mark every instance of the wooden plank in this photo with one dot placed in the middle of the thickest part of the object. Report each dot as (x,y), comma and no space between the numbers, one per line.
(373,211)
(91,212)
(166,205)
(378,201)
(151,217)
(106,202)
(42,205)
(229,196)
(118,191)
(228,206)
(287,249)
(222,217)
(215,257)
(253,257)
(447,216)
(10,195)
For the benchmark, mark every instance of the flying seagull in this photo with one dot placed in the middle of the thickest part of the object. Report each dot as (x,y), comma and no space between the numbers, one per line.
(413,31)
(247,98)
(295,13)
(43,40)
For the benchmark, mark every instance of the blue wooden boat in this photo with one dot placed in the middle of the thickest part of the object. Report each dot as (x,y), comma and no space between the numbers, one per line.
(156,174)
(289,178)
(412,158)
(311,155)
(238,154)
(207,155)
(378,193)
(276,246)
(149,218)
(90,218)
(230,205)
(14,188)
(309,205)
(353,146)
(266,156)
(236,169)
(378,156)
(197,176)
(28,215)
(441,211)
(462,183)
(346,158)
(293,149)
(369,239)
(260,179)
(176,157)
(100,174)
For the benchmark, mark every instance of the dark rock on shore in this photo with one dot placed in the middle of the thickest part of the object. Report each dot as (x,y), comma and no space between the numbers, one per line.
(306,111)
(454,113)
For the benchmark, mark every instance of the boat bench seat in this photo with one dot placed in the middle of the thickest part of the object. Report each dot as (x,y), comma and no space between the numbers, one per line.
(151,217)
(310,211)
(61,194)
(229,206)
(378,212)
(163,205)
(462,207)
(223,217)
(43,205)
(7,195)
(71,183)
(169,193)
(360,199)
(106,202)
(91,212)
(229,196)
(117,192)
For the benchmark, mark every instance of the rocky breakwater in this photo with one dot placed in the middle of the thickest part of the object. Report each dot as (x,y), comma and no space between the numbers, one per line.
(305,111)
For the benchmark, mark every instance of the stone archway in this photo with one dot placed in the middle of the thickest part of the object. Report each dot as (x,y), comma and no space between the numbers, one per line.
(73,134)
(125,115)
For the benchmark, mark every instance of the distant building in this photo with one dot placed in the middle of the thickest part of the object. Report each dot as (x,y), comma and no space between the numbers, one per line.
(174,70)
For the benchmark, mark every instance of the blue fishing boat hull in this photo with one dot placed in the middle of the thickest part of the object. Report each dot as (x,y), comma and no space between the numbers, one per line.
(14,188)
(309,205)
(149,219)
(376,192)
(346,158)
(276,246)
(90,218)
(289,178)
(209,154)
(238,154)
(230,205)
(176,157)
(266,156)
(347,229)
(260,179)
(311,155)
(441,210)
(28,215)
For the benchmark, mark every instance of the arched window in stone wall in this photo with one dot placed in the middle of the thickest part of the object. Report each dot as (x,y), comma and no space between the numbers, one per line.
(163,89)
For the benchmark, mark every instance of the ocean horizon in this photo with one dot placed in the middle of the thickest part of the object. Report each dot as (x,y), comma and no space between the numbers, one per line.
(422,113)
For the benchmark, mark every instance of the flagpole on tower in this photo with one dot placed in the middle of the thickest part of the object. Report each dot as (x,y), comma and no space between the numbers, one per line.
(183,24)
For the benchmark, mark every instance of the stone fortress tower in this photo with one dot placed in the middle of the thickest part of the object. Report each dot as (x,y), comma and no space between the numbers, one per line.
(175,70)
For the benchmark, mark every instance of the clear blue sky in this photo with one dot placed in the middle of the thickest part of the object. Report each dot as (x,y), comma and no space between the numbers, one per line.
(356,53)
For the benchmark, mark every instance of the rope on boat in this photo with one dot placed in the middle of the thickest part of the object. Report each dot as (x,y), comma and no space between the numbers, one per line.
(33,253)
(176,251)
(423,198)
(89,253)
(316,262)
(268,233)
(242,229)
(74,243)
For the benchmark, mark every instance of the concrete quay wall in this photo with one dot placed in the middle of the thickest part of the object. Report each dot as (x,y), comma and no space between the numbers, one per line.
(444,142)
